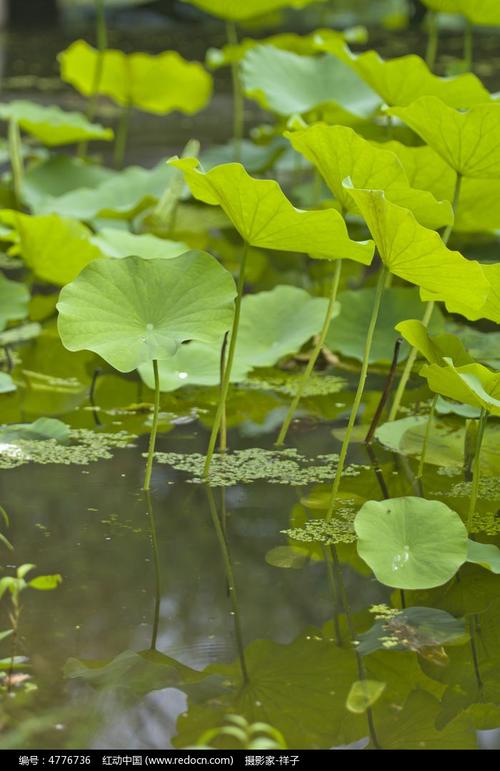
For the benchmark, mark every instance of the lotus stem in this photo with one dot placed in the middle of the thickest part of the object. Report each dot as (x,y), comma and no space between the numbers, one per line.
(359,392)
(229,365)
(229,570)
(314,356)
(238,95)
(102,44)
(427,434)
(468,45)
(432,40)
(405,376)
(385,393)
(122,137)
(476,468)
(223,422)
(332,582)
(16,160)
(156,563)
(154,429)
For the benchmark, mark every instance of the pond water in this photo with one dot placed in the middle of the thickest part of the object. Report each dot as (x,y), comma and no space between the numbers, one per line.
(188,605)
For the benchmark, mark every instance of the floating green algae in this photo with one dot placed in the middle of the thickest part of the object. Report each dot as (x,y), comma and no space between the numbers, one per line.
(339,529)
(285,467)
(85,447)
(489,490)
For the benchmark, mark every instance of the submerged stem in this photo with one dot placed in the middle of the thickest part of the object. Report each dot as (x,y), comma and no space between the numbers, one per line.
(238,95)
(154,429)
(359,392)
(229,570)
(314,355)
(476,469)
(156,563)
(229,365)
(425,443)
(332,582)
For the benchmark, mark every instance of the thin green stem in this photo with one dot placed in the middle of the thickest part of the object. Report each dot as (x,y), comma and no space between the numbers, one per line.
(156,563)
(314,355)
(476,468)
(427,434)
(154,429)
(468,45)
(432,39)
(332,582)
(122,137)
(229,365)
(16,160)
(102,44)
(238,95)
(359,392)
(223,422)
(474,654)
(229,570)
(405,376)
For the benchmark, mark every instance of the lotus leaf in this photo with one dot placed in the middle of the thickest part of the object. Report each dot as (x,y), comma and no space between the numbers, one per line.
(14,300)
(51,125)
(468,141)
(133,311)
(476,11)
(338,152)
(121,243)
(157,84)
(434,348)
(411,543)
(485,554)
(471,384)
(264,217)
(237,11)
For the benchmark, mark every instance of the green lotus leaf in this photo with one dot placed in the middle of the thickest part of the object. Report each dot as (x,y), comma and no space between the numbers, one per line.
(7,385)
(132,311)
(60,174)
(485,554)
(468,141)
(14,301)
(364,694)
(411,543)
(287,83)
(272,325)
(237,11)
(347,333)
(38,431)
(338,152)
(471,384)
(402,80)
(305,45)
(484,12)
(434,348)
(157,84)
(121,243)
(121,196)
(51,125)
(55,248)
(465,305)
(264,217)
(426,628)
(418,254)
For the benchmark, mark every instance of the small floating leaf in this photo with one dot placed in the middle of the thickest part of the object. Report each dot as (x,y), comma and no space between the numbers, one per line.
(363,694)
(411,543)
(286,557)
(45,583)
(39,430)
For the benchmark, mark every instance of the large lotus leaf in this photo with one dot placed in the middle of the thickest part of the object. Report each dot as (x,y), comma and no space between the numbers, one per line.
(300,689)
(157,84)
(122,196)
(418,254)
(305,45)
(264,217)
(121,243)
(411,543)
(238,11)
(347,333)
(55,248)
(490,309)
(287,83)
(434,348)
(338,152)
(468,141)
(477,11)
(51,125)
(14,300)
(471,384)
(401,80)
(132,311)
(445,443)
(272,325)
